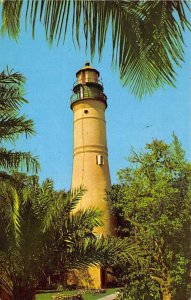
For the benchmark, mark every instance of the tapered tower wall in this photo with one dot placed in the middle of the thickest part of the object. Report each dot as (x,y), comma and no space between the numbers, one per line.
(90,143)
(90,161)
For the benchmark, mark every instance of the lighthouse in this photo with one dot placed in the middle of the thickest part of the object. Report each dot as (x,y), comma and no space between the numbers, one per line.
(90,154)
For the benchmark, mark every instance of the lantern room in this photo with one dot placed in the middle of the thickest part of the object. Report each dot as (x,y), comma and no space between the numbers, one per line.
(88,85)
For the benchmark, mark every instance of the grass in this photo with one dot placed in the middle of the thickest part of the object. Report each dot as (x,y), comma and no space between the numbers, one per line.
(47,296)
(88,296)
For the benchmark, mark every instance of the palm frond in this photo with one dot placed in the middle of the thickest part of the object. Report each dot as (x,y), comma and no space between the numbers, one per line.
(4,176)
(62,206)
(10,160)
(42,198)
(89,217)
(12,8)
(104,251)
(73,197)
(11,91)
(10,205)
(83,222)
(11,77)
(116,251)
(147,39)
(11,126)
(10,99)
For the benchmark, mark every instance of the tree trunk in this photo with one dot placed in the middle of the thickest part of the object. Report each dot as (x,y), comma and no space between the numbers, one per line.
(64,279)
(166,295)
(166,290)
(165,287)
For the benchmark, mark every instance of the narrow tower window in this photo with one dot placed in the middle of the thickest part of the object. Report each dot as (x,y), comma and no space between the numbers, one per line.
(100,160)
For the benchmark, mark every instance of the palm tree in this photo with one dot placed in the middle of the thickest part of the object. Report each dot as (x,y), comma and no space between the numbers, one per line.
(12,124)
(147,36)
(51,237)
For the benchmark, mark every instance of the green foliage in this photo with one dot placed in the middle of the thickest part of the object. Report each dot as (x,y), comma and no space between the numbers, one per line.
(153,208)
(53,238)
(147,36)
(12,124)
(9,207)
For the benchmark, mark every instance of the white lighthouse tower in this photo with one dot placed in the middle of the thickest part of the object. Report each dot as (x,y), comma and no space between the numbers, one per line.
(90,160)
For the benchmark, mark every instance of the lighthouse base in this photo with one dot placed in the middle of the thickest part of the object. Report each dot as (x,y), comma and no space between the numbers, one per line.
(91,278)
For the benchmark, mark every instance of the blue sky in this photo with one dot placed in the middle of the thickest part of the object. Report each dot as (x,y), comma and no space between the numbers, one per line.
(50,74)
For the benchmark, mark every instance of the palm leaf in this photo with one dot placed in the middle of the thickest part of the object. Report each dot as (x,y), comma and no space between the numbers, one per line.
(5,176)
(147,38)
(10,205)
(87,218)
(10,99)
(11,126)
(82,223)
(14,160)
(13,23)
(62,206)
(104,251)
(42,198)
(11,91)
(11,77)
(72,198)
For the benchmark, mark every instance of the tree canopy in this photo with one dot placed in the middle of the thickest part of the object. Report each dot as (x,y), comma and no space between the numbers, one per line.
(152,203)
